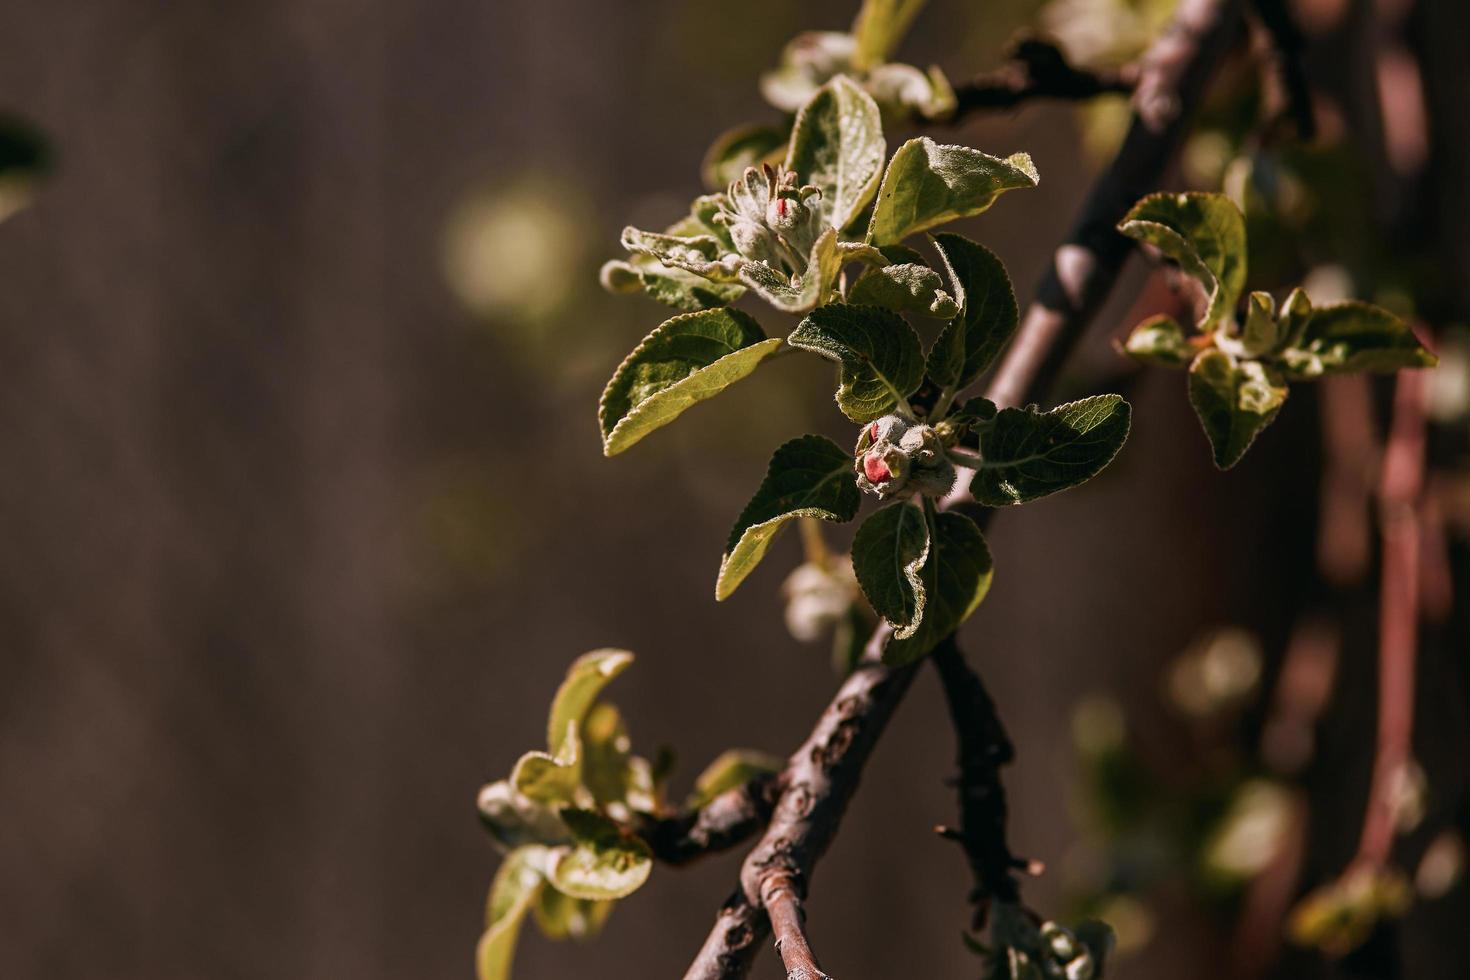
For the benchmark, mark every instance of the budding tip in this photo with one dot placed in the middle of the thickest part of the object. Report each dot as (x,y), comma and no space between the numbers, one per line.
(875,469)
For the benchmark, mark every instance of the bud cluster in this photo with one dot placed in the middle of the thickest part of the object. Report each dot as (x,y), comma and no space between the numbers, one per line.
(772,219)
(899,458)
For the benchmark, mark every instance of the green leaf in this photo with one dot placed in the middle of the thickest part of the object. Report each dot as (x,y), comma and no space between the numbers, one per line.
(738,148)
(603,863)
(927,184)
(560,916)
(1295,313)
(548,778)
(730,769)
(805,291)
(879,27)
(903,91)
(906,287)
(808,477)
(956,577)
(516,886)
(672,287)
(1205,234)
(1234,402)
(585,679)
(1160,340)
(888,556)
(1262,331)
(699,254)
(610,771)
(837,145)
(987,319)
(880,360)
(1029,454)
(686,360)
(514,820)
(1354,337)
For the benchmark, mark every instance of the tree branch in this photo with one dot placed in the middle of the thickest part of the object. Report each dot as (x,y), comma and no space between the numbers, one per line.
(983,748)
(719,825)
(1288,44)
(1038,70)
(823,774)
(1398,622)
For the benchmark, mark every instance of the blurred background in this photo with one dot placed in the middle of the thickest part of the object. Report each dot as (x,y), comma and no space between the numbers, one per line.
(304,512)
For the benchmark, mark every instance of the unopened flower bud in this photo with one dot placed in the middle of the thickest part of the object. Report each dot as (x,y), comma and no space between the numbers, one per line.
(897,458)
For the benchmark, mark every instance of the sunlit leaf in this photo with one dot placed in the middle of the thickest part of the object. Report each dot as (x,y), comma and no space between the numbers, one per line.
(1234,402)
(602,863)
(730,769)
(1029,454)
(837,145)
(1205,234)
(880,360)
(928,184)
(516,886)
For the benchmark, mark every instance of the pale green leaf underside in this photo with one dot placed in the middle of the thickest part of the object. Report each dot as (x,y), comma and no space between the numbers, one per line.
(514,821)
(732,768)
(1204,233)
(516,886)
(905,287)
(928,184)
(837,145)
(1234,402)
(548,778)
(584,681)
(988,313)
(879,27)
(671,287)
(809,289)
(699,254)
(810,476)
(956,577)
(602,863)
(878,353)
(1160,340)
(1029,454)
(686,360)
(1262,331)
(888,555)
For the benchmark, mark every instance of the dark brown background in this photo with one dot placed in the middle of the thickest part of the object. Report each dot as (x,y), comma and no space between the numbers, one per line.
(294,548)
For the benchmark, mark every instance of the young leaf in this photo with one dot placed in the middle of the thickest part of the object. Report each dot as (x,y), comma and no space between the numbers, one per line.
(927,184)
(602,863)
(1234,402)
(513,820)
(956,577)
(879,27)
(548,778)
(738,148)
(699,254)
(560,916)
(837,145)
(730,769)
(671,287)
(611,773)
(684,361)
(888,555)
(905,287)
(987,319)
(879,354)
(1354,337)
(1160,340)
(808,477)
(1204,233)
(805,291)
(1262,331)
(585,679)
(516,886)
(1029,454)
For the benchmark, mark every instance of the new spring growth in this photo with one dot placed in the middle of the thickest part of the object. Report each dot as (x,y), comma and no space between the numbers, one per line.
(899,458)
(770,220)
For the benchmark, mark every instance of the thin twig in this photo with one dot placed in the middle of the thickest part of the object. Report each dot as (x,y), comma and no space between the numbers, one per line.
(788,921)
(1398,623)
(823,774)
(723,822)
(1038,70)
(983,748)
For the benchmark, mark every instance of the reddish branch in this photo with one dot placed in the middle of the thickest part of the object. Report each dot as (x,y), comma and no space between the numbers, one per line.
(823,774)
(1038,70)
(719,825)
(1398,626)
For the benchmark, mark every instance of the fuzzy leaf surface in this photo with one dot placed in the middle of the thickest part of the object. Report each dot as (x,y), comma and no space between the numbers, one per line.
(888,556)
(1030,454)
(928,184)
(878,353)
